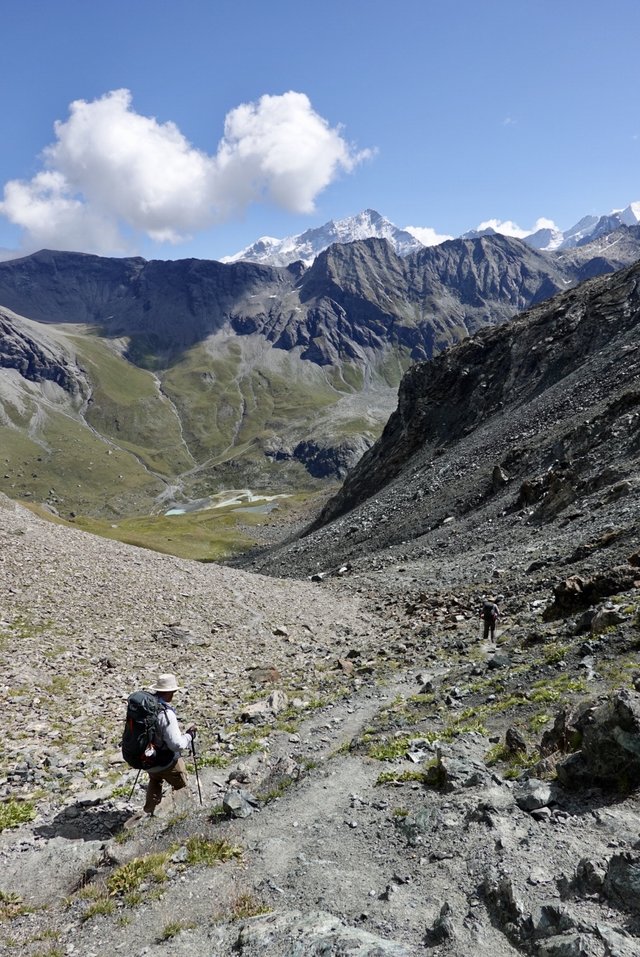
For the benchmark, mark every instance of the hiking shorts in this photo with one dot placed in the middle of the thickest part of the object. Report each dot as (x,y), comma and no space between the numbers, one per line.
(176,776)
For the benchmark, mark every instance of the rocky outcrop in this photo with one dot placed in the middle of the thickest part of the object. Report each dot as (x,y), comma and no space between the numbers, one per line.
(609,753)
(37,356)
(311,935)
(577,592)
(323,460)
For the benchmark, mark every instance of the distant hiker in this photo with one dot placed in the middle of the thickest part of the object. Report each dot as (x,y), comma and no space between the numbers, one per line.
(152,739)
(489,614)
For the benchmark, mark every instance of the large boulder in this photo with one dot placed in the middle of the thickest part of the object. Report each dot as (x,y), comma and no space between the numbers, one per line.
(577,592)
(609,755)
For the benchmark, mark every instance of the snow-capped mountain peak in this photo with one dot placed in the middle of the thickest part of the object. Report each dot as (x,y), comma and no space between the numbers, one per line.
(306,246)
(630,216)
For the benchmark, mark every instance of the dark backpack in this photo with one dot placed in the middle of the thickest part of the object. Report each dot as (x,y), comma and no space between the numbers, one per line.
(143,710)
(489,611)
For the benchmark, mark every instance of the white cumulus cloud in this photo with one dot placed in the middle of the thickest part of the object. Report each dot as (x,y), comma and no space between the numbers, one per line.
(426,235)
(509,228)
(112,173)
(504,227)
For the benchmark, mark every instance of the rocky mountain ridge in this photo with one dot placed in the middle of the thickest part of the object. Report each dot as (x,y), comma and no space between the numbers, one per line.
(275,377)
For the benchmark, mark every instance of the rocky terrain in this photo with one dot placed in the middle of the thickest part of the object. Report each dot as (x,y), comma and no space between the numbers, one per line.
(376,777)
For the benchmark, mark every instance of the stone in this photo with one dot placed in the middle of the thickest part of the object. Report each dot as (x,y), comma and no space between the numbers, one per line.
(515,741)
(533,794)
(264,675)
(568,945)
(273,705)
(622,881)
(346,665)
(239,803)
(603,619)
(565,735)
(442,928)
(499,478)
(278,701)
(316,932)
(578,592)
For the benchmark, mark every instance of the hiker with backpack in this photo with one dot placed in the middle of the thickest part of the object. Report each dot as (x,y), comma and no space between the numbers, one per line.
(152,740)
(489,614)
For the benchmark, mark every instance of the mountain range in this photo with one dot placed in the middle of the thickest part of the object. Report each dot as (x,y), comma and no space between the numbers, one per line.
(126,385)
(376,773)
(370,224)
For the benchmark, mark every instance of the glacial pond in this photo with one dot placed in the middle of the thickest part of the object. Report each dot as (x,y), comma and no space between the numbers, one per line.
(240,500)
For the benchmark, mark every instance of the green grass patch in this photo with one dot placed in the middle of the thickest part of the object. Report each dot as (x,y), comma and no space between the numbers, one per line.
(131,875)
(555,652)
(12,906)
(389,750)
(100,908)
(247,905)
(123,790)
(14,813)
(549,690)
(538,721)
(208,535)
(401,777)
(213,761)
(202,850)
(174,928)
(516,762)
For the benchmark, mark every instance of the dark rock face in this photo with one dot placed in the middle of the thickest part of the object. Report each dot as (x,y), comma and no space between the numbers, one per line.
(36,359)
(322,459)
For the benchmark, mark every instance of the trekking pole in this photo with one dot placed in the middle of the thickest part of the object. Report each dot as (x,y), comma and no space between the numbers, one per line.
(134,784)
(195,764)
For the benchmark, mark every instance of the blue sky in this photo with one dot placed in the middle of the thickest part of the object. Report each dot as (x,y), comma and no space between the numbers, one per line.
(200,125)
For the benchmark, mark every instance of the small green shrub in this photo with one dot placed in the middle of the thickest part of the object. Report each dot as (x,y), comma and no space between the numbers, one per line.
(101,907)
(123,790)
(538,721)
(516,763)
(201,850)
(213,761)
(389,750)
(400,777)
(14,813)
(246,905)
(555,652)
(11,906)
(172,929)
(131,875)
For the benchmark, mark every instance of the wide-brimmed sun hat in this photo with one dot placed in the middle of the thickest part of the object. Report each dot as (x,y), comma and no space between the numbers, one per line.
(166,683)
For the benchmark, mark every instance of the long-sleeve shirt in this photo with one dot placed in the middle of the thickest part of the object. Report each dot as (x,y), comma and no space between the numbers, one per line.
(168,735)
